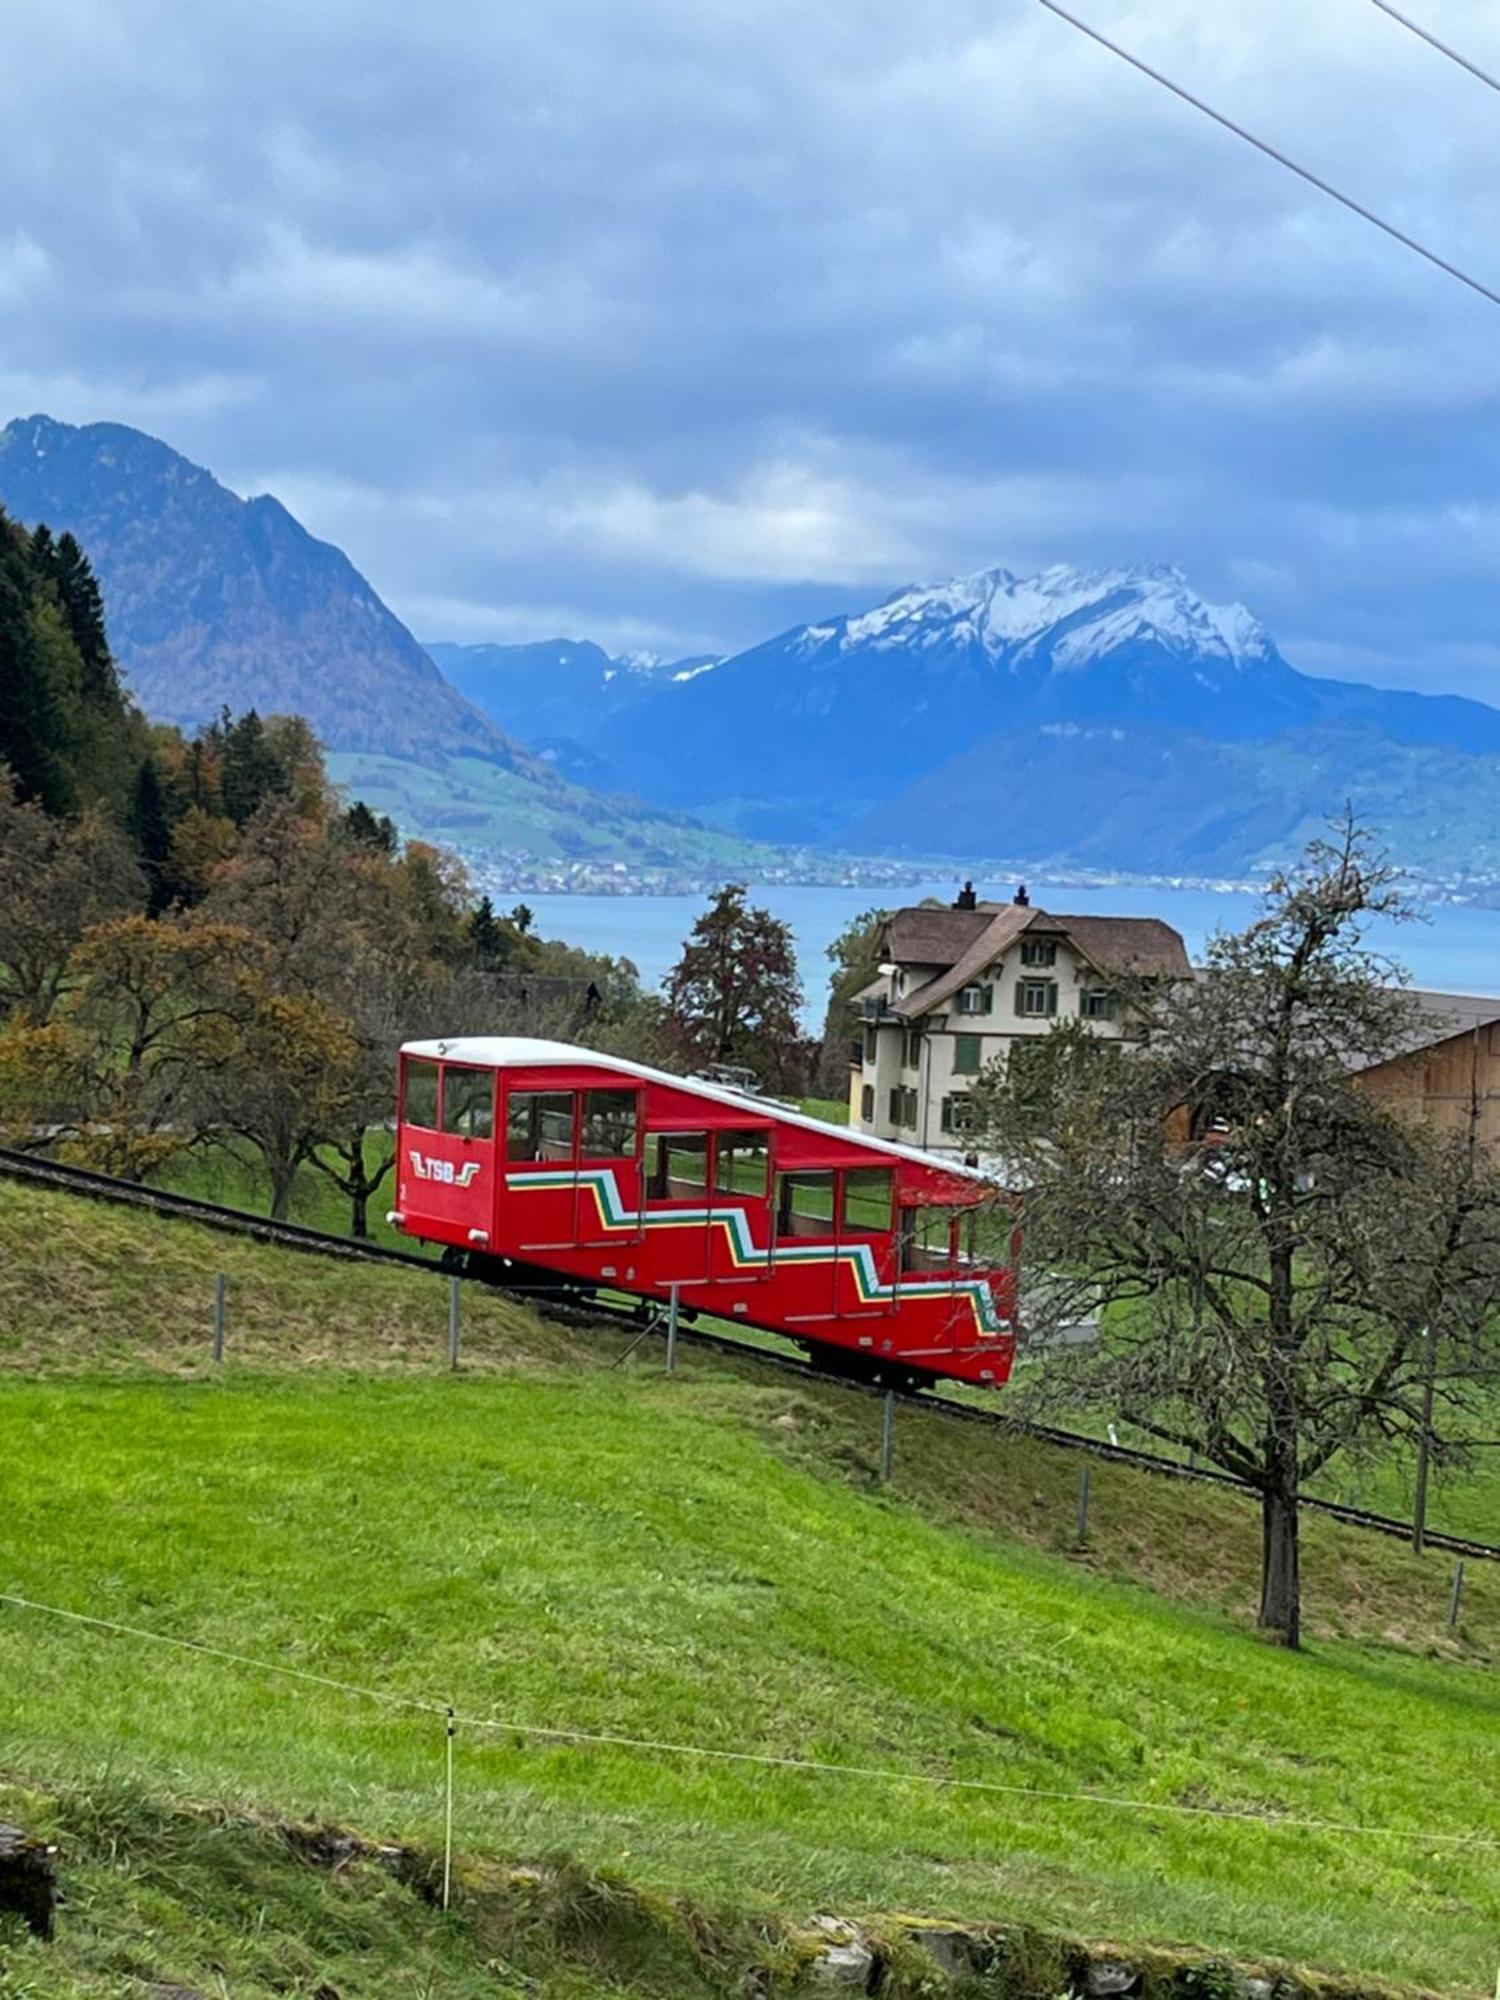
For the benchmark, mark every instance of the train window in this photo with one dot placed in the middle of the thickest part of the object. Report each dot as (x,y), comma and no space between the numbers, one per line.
(539,1125)
(469,1101)
(867,1199)
(927,1239)
(804,1204)
(742,1162)
(609,1120)
(421,1103)
(676,1165)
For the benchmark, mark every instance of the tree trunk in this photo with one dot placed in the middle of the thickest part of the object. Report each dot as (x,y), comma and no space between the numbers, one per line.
(360,1184)
(1280,1578)
(283,1176)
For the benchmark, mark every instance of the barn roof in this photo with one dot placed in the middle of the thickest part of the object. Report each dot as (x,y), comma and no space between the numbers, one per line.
(1442,1016)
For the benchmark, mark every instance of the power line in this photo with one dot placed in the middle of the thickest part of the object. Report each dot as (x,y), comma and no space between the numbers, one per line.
(765,1760)
(1271,153)
(1443,48)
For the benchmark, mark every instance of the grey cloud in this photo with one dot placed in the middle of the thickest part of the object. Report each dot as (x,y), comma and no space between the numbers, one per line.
(692,320)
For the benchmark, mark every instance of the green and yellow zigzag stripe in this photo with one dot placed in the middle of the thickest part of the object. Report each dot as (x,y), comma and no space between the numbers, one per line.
(747,1255)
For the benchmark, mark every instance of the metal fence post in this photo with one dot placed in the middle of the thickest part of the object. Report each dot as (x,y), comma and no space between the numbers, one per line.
(672,1332)
(888,1436)
(455,1322)
(1085,1483)
(1455,1603)
(221,1286)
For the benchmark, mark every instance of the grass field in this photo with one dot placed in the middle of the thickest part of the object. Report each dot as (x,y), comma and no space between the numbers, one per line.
(703,1561)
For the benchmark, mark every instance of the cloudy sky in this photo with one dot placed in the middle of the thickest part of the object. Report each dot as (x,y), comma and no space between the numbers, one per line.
(673,324)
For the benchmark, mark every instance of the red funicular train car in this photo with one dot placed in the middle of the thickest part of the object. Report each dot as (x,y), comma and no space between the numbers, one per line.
(536,1163)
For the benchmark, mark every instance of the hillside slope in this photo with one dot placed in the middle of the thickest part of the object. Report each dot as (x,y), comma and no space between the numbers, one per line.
(702,1561)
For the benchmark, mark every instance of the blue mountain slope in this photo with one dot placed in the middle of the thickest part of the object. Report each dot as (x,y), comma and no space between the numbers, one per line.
(832,730)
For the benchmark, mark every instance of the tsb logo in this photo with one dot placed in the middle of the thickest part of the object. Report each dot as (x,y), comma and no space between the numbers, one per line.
(444,1170)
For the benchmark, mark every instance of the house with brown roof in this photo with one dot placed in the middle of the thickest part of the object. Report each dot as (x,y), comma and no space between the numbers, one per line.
(962,985)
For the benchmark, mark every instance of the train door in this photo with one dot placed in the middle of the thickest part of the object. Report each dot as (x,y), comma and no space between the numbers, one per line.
(866,1219)
(609,1168)
(675,1207)
(541,1167)
(741,1247)
(447,1139)
(805,1251)
(927,1276)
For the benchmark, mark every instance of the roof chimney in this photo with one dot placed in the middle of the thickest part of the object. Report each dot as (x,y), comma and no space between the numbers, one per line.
(966,899)
(1023,901)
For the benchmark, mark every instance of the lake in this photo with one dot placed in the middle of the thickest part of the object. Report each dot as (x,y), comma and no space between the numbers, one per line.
(1452,948)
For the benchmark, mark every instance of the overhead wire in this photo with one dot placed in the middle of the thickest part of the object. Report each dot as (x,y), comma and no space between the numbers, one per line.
(1433,42)
(1271,152)
(765,1760)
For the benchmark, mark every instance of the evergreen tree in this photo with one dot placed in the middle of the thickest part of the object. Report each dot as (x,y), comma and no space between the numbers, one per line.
(486,936)
(362,827)
(83,607)
(32,722)
(150,827)
(252,772)
(734,995)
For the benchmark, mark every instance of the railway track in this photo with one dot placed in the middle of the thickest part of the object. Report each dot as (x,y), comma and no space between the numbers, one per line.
(566,1305)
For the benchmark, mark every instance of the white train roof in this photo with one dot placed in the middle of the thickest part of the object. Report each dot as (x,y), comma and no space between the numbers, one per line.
(529,1052)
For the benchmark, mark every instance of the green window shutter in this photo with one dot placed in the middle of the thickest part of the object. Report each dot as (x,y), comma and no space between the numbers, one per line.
(1021,998)
(1051,996)
(946,1120)
(987,1003)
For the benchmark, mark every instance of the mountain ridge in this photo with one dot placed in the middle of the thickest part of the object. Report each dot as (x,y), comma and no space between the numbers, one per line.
(867,731)
(215,600)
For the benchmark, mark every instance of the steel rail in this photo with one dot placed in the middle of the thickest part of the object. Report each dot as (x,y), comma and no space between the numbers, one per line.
(565,1304)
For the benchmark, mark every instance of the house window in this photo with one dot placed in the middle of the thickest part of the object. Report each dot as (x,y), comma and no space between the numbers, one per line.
(976,999)
(958,1112)
(872,1047)
(1036,997)
(904,1107)
(421,1105)
(966,1055)
(1097,1003)
(867,1104)
(912,1054)
(1038,951)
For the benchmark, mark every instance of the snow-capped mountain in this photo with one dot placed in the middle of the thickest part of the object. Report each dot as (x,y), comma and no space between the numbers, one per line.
(1094,611)
(998,713)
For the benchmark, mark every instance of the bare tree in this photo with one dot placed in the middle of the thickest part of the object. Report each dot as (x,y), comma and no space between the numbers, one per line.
(1264,1242)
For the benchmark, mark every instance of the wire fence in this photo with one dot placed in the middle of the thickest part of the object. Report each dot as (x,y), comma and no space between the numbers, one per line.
(455,1722)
